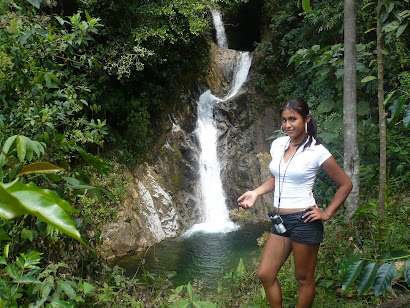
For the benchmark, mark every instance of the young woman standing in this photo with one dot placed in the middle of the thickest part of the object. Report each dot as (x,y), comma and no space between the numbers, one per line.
(296,159)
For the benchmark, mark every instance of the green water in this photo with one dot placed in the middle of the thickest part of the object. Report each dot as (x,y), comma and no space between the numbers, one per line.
(204,256)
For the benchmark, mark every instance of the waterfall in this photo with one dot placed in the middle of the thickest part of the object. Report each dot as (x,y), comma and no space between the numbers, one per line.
(212,197)
(220,29)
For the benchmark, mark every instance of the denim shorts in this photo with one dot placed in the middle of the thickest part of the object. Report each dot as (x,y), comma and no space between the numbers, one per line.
(300,231)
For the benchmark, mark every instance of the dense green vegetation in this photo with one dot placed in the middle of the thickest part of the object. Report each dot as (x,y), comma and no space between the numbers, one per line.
(76,81)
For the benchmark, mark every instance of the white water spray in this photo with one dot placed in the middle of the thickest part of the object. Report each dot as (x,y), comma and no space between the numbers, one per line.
(212,196)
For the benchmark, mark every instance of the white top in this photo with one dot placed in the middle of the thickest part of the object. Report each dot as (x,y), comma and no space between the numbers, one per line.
(295,182)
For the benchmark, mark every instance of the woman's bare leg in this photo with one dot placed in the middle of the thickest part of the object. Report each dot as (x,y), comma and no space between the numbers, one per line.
(305,258)
(274,255)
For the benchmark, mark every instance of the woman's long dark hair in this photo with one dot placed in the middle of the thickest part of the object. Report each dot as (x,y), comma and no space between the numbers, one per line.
(300,106)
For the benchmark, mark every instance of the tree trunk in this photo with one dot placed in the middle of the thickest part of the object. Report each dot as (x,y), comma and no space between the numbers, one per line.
(382,118)
(351,150)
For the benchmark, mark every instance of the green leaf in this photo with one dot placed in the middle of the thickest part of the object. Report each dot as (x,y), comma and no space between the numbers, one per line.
(388,98)
(35,3)
(61,304)
(21,146)
(60,20)
(325,106)
(240,270)
(13,271)
(19,199)
(367,278)
(406,117)
(391,26)
(407,271)
(190,291)
(68,290)
(4,236)
(306,5)
(351,273)
(401,29)
(38,303)
(368,78)
(97,162)
(27,234)
(6,250)
(40,167)
(27,279)
(10,206)
(396,108)
(32,259)
(384,277)
(87,288)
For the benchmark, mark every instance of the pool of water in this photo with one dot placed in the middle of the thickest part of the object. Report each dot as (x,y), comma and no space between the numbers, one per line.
(202,255)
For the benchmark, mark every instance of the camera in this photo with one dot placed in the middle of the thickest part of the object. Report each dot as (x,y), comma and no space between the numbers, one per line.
(277,222)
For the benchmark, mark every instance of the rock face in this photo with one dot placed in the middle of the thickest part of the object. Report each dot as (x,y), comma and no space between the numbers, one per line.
(162,200)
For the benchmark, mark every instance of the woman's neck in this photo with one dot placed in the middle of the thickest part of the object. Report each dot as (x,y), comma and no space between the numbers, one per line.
(297,141)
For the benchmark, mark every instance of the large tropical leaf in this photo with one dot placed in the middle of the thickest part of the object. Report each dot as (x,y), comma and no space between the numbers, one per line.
(18,199)
(385,275)
(351,274)
(367,278)
(40,167)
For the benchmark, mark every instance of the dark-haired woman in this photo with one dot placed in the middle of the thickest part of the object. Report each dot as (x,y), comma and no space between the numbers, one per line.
(296,159)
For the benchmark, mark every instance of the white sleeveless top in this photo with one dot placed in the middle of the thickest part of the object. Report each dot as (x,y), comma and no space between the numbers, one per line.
(297,176)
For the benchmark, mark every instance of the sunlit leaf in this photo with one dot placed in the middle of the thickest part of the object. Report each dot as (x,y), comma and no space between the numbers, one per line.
(87,288)
(35,3)
(18,199)
(306,5)
(384,277)
(41,167)
(368,78)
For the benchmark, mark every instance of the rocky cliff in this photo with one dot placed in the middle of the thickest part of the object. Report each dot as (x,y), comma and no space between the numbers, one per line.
(162,193)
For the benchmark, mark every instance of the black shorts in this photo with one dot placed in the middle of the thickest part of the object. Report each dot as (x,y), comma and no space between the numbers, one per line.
(300,231)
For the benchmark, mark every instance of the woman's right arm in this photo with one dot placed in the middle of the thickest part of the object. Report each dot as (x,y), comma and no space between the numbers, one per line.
(248,199)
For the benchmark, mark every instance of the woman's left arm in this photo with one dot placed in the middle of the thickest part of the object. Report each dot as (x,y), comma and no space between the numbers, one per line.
(331,167)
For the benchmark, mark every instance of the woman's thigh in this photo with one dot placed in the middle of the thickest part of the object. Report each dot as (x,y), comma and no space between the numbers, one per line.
(305,258)
(277,250)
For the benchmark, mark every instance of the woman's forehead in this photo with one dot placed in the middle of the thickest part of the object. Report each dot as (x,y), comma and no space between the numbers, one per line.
(288,112)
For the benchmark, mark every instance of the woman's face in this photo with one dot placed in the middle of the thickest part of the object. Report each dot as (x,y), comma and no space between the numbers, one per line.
(293,124)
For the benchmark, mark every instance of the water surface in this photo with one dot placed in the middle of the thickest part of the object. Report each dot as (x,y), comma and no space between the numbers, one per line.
(202,255)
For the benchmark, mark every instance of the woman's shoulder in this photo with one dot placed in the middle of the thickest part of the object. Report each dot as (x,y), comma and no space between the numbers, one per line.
(278,144)
(280,141)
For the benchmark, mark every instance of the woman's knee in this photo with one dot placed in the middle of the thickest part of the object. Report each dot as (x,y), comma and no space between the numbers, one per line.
(305,280)
(266,276)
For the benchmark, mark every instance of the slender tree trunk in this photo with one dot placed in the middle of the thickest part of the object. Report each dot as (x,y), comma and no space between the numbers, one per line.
(351,150)
(382,118)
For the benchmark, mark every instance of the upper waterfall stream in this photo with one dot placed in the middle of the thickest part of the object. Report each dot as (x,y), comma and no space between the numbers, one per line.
(211,194)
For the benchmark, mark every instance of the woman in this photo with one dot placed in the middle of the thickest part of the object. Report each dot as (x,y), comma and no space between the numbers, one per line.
(296,160)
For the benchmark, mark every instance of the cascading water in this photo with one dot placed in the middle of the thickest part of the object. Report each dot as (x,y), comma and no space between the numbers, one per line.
(220,29)
(210,186)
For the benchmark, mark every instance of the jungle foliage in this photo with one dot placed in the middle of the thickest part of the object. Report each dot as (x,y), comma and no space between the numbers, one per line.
(78,78)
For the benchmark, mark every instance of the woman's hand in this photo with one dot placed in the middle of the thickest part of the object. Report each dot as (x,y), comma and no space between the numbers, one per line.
(315,213)
(248,199)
